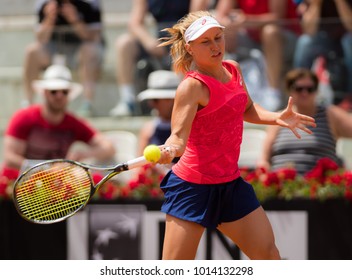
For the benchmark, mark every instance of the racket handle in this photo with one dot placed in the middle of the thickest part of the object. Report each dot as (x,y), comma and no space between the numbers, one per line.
(137,162)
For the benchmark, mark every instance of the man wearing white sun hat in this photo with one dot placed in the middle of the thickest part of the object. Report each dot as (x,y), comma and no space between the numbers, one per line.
(47,130)
(160,94)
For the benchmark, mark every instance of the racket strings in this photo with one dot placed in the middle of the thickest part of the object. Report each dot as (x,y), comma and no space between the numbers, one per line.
(53,192)
(33,208)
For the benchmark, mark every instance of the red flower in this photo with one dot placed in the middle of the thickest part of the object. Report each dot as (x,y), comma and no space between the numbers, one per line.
(250,177)
(97,177)
(125,192)
(272,178)
(154,192)
(348,177)
(10,173)
(336,179)
(133,184)
(315,174)
(287,173)
(108,191)
(313,191)
(7,178)
(327,164)
(4,181)
(142,178)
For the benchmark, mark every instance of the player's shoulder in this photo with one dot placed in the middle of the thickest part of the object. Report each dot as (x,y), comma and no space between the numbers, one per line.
(232,63)
(190,85)
(192,90)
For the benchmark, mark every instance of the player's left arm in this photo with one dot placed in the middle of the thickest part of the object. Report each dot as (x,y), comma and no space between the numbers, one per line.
(254,113)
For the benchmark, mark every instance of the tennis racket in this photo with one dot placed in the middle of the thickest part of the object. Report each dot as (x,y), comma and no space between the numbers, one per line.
(54,190)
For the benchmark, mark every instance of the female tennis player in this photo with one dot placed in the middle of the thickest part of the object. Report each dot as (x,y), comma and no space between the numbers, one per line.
(204,189)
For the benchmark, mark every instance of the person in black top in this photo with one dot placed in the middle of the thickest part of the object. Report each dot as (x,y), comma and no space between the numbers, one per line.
(68,32)
(160,94)
(140,43)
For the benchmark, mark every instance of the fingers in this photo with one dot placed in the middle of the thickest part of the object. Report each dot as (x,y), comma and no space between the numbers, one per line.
(167,154)
(309,123)
(305,129)
(306,118)
(169,151)
(290,103)
(296,133)
(296,121)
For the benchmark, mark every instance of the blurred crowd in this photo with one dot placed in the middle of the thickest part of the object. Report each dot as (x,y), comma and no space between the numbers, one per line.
(268,38)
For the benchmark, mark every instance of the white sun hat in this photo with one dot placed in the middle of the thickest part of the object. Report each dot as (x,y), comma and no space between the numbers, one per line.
(58,77)
(162,84)
(199,26)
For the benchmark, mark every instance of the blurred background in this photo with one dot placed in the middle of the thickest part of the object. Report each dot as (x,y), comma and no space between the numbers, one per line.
(305,230)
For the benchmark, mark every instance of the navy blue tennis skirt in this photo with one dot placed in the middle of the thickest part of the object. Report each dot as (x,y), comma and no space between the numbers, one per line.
(207,204)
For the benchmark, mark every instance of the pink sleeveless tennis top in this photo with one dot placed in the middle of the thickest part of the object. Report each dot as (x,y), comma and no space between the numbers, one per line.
(213,147)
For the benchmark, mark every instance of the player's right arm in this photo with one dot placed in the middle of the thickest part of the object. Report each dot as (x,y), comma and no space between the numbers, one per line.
(190,96)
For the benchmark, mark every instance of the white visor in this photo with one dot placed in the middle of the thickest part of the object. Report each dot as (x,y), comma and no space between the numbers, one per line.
(198,27)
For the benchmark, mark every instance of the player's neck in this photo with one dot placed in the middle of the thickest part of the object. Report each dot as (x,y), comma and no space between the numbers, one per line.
(218,74)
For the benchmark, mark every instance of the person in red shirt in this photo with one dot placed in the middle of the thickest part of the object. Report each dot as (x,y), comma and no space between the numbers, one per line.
(271,26)
(47,130)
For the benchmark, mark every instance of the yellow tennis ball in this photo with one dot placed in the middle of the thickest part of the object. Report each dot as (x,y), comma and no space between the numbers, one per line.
(152,153)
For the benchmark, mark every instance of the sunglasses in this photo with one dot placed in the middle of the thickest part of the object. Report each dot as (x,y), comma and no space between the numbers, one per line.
(300,89)
(63,91)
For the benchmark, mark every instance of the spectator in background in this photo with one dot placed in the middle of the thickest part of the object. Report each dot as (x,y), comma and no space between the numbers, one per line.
(139,43)
(281,148)
(162,85)
(47,131)
(68,31)
(268,25)
(327,28)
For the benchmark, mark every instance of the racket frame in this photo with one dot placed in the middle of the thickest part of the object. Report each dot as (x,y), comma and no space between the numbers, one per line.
(114,170)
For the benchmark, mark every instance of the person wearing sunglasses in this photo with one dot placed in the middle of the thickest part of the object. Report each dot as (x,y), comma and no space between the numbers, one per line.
(47,130)
(69,32)
(281,148)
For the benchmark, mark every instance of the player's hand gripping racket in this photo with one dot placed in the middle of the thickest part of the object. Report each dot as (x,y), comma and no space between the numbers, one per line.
(54,190)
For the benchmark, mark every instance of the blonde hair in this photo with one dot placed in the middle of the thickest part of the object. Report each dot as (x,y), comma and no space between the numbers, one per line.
(181,59)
